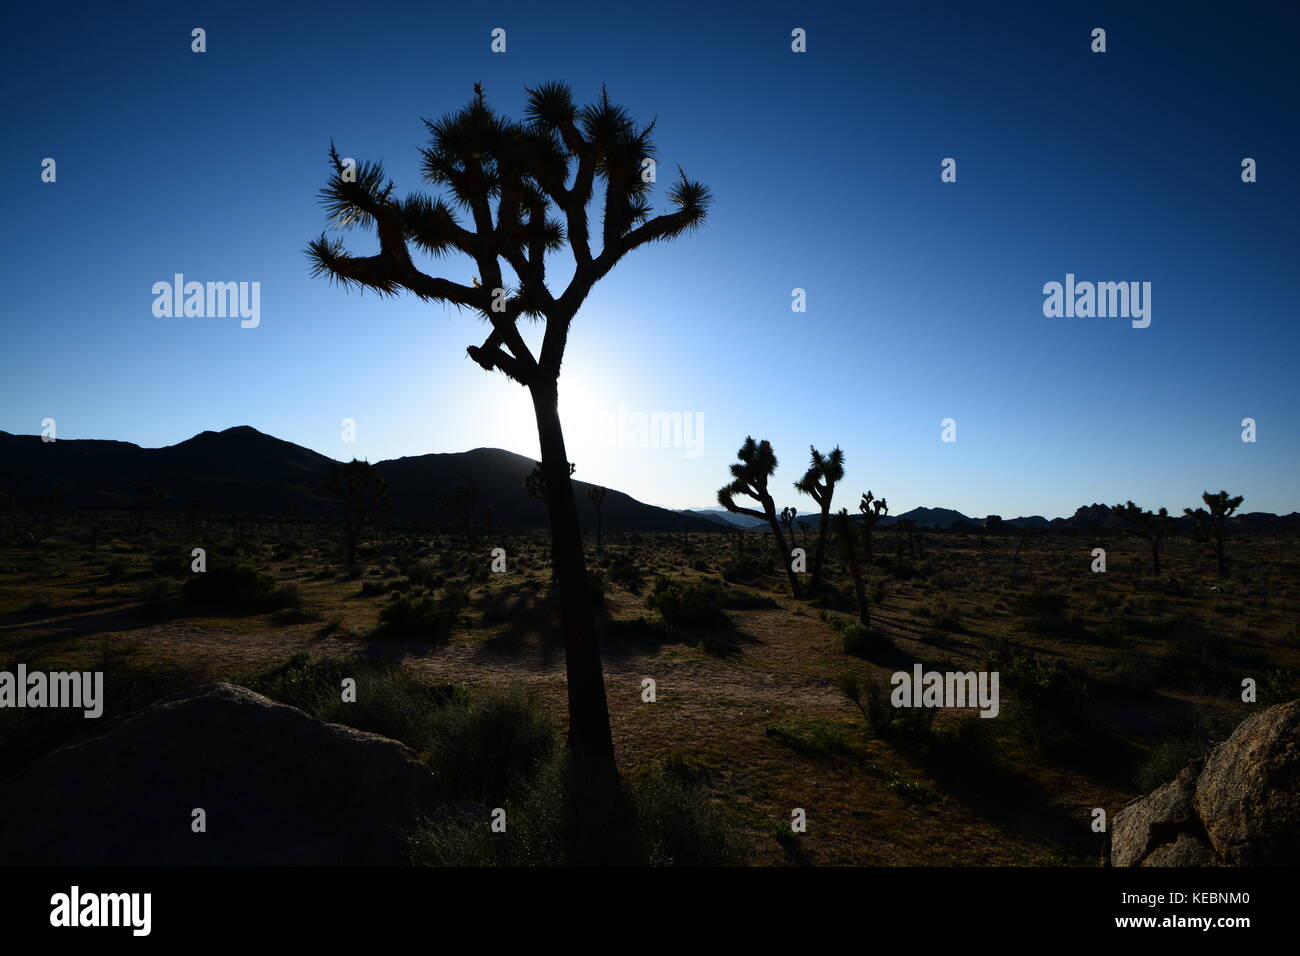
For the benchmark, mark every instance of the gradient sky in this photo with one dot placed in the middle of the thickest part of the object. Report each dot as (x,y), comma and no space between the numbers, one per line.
(924,298)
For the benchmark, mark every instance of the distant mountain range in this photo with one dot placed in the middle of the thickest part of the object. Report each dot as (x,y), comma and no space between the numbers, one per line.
(1086,518)
(244,471)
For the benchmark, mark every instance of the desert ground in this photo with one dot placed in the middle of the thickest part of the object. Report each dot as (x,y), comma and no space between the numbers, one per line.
(1110,681)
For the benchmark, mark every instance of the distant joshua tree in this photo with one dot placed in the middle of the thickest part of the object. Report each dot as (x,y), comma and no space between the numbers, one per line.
(462,503)
(359,487)
(788,516)
(749,477)
(148,498)
(535,481)
(1154,527)
(819,482)
(844,535)
(873,509)
(597,495)
(1211,526)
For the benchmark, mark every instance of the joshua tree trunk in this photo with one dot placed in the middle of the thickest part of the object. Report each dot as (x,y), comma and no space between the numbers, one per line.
(822,530)
(784,551)
(589,733)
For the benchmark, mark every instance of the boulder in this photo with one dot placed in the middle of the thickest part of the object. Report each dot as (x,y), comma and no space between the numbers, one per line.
(1237,806)
(1154,820)
(1248,795)
(278,787)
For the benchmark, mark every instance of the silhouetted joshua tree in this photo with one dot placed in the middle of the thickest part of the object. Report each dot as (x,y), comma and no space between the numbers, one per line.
(148,498)
(359,487)
(788,516)
(844,535)
(749,477)
(462,503)
(507,175)
(1153,527)
(819,482)
(907,527)
(1210,526)
(597,495)
(873,509)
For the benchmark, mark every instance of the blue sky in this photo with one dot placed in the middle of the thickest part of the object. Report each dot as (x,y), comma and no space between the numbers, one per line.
(924,299)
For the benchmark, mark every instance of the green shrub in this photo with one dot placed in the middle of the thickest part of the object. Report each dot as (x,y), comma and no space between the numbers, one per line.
(421,617)
(688,604)
(660,817)
(484,747)
(862,640)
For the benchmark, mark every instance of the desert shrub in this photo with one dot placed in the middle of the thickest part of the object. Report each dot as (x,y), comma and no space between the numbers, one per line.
(1045,611)
(1169,755)
(373,588)
(1049,698)
(422,617)
(678,824)
(946,616)
(596,588)
(660,817)
(688,604)
(231,585)
(486,746)
(1165,761)
(1201,661)
(1134,674)
(946,581)
(1278,686)
(624,571)
(747,601)
(156,596)
(742,570)
(862,640)
(290,607)
(872,698)
(117,570)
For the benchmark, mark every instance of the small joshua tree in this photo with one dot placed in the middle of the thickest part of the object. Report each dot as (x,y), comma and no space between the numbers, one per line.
(873,509)
(148,497)
(597,495)
(819,482)
(844,535)
(1153,527)
(462,503)
(359,487)
(749,478)
(1210,526)
(788,516)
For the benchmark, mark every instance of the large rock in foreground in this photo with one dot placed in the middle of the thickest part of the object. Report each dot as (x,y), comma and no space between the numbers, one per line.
(1239,806)
(278,788)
